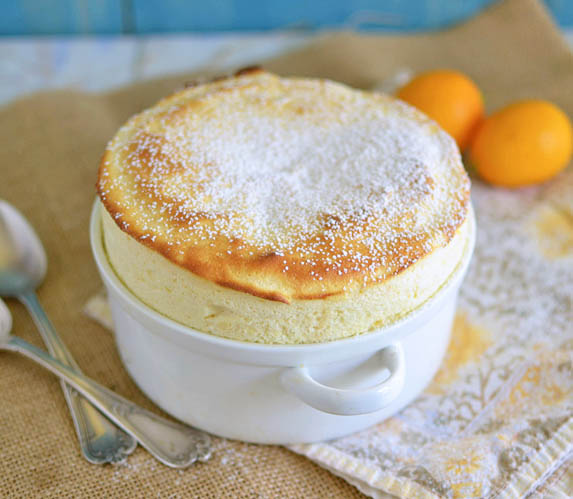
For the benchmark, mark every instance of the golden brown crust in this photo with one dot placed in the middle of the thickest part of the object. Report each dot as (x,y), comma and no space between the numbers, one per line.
(143,170)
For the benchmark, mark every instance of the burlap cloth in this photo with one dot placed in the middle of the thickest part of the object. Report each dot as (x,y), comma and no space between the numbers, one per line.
(51,144)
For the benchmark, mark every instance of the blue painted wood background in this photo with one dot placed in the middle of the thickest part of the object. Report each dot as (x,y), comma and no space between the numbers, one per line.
(38,17)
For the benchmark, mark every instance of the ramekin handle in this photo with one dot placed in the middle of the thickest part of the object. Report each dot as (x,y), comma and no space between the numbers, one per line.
(347,402)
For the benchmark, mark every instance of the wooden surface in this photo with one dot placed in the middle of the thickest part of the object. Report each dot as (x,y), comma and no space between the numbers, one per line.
(30,64)
(100,63)
(32,17)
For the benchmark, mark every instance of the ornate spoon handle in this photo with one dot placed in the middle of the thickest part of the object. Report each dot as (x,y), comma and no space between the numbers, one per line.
(173,444)
(100,440)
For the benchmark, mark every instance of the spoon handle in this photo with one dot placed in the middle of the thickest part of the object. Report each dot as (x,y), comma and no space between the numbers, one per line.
(172,443)
(100,440)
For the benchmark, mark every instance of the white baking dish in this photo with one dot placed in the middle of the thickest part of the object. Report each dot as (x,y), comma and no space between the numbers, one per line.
(272,393)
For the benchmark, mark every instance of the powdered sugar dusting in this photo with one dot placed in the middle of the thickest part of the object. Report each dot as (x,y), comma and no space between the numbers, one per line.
(286,167)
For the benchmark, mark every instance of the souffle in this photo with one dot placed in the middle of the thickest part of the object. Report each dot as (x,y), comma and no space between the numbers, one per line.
(283,210)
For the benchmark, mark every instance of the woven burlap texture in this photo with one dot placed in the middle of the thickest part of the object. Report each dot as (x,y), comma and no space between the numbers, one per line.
(52,143)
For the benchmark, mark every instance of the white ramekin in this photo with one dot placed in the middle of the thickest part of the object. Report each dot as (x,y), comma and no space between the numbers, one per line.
(272,393)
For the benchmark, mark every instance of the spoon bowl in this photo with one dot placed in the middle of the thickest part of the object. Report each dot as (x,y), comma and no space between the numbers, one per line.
(23,261)
(5,323)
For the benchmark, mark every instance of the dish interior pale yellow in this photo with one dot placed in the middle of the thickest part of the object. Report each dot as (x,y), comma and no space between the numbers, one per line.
(283,210)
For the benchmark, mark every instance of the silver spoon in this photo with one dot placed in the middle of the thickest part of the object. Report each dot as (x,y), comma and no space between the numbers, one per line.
(173,444)
(22,269)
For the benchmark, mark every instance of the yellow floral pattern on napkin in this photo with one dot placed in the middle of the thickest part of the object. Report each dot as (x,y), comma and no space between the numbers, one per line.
(468,342)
